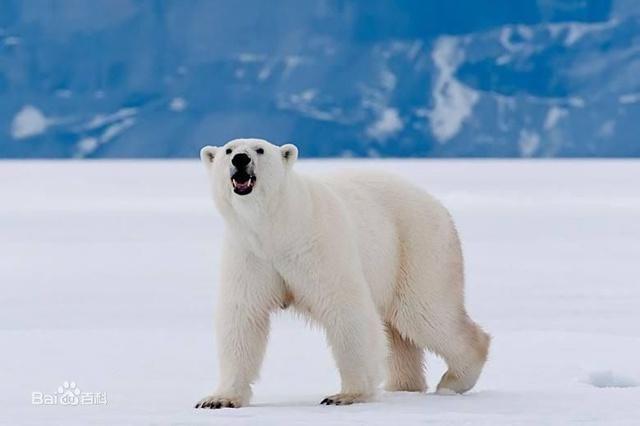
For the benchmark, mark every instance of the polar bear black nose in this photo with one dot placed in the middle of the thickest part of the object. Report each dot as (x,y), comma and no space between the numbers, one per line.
(240,160)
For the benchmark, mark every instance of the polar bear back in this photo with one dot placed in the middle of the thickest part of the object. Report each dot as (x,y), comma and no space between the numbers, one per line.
(394,221)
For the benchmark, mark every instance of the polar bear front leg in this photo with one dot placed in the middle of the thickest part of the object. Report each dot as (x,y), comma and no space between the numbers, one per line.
(242,338)
(249,292)
(355,334)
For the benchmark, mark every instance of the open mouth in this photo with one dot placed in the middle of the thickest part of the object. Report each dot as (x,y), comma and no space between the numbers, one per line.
(243,183)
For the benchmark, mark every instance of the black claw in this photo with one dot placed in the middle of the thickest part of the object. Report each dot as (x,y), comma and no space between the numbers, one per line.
(197,405)
(217,405)
(338,403)
(324,401)
(231,405)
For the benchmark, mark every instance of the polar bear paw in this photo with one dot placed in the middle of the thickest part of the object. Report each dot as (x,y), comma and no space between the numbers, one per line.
(343,399)
(216,401)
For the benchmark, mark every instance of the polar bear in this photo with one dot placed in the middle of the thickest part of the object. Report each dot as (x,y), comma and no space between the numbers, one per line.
(373,259)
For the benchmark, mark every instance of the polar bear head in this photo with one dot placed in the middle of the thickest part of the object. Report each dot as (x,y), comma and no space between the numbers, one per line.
(247,168)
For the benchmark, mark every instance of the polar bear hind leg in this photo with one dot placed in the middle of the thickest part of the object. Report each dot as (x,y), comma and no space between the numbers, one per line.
(405,363)
(428,313)
(457,339)
(465,357)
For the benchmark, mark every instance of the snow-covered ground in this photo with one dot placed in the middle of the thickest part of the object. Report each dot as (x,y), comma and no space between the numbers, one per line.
(108,279)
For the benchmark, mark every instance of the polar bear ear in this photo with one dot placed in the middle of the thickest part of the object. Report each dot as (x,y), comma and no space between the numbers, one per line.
(289,154)
(207,154)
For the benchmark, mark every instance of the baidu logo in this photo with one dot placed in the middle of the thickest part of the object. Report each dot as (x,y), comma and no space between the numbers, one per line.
(69,394)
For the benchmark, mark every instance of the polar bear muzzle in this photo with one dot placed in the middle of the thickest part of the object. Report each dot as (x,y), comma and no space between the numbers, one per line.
(242,178)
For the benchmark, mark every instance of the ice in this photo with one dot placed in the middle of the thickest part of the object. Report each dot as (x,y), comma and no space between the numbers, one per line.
(609,379)
(108,279)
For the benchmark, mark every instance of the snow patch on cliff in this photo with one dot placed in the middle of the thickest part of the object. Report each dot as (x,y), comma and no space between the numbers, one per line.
(178,104)
(529,142)
(554,115)
(574,31)
(453,101)
(29,122)
(387,124)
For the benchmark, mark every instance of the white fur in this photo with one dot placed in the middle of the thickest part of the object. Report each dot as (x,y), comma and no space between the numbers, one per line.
(361,253)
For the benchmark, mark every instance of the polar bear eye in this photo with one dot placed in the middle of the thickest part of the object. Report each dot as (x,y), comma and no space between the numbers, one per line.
(228,151)
(260,151)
